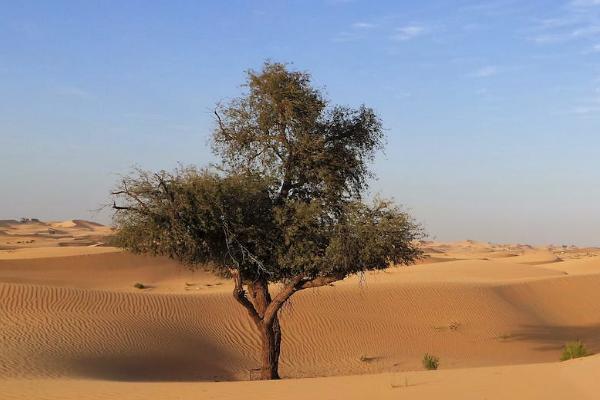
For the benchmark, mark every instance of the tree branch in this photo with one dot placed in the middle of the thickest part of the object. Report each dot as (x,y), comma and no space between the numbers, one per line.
(240,295)
(161,182)
(221,124)
(116,207)
(321,281)
(128,193)
(299,282)
(285,293)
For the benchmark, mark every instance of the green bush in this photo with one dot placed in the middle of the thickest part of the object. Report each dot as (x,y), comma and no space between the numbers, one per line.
(430,362)
(139,286)
(574,350)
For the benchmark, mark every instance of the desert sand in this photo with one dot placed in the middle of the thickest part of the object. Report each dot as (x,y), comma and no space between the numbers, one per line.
(73,326)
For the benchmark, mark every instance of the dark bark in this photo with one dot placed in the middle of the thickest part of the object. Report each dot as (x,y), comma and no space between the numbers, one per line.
(270,331)
(264,311)
(271,342)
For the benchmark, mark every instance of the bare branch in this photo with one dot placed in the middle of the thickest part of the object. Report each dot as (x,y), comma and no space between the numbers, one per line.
(161,182)
(116,207)
(221,124)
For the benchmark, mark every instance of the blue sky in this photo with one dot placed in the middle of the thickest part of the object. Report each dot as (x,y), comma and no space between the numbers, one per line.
(492,109)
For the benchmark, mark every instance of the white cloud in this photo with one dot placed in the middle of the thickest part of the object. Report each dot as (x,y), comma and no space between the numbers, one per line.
(586,110)
(408,32)
(574,23)
(485,72)
(593,49)
(585,3)
(589,106)
(586,31)
(363,25)
(567,35)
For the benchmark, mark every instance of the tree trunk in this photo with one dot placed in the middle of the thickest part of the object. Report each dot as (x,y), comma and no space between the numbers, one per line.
(270,333)
(264,312)
(271,345)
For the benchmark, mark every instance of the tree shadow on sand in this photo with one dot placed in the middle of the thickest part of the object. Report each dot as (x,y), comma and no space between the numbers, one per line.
(183,357)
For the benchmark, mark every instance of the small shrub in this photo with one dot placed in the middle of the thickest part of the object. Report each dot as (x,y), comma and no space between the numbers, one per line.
(139,286)
(574,350)
(430,362)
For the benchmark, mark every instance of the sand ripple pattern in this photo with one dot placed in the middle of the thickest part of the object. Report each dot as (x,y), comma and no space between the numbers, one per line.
(52,332)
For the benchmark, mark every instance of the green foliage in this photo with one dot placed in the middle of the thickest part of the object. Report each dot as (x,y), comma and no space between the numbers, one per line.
(574,350)
(286,200)
(282,128)
(430,362)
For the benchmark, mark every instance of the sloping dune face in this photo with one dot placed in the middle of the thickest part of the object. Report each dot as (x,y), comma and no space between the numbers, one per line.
(77,318)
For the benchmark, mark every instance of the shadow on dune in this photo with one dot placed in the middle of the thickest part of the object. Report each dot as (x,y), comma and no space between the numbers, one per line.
(150,367)
(554,337)
(180,356)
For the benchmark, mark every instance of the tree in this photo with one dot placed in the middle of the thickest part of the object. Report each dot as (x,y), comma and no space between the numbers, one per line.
(284,207)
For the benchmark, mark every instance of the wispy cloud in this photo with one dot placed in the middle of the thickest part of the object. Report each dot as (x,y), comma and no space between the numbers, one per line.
(408,32)
(364,29)
(492,8)
(485,72)
(344,37)
(587,109)
(568,34)
(591,105)
(585,3)
(363,25)
(73,91)
(576,22)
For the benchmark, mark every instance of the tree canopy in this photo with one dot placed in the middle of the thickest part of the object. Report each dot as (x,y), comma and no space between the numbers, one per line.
(285,204)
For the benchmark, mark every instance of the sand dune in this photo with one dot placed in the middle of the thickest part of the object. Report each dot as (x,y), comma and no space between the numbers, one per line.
(578,266)
(347,329)
(72,325)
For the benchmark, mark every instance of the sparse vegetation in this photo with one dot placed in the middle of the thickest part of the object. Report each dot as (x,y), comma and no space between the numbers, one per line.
(139,285)
(430,362)
(574,349)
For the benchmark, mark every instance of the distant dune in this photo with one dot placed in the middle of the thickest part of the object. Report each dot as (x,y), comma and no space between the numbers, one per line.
(74,326)
(16,236)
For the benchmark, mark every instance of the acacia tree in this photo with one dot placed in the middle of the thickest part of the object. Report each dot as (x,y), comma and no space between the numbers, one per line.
(284,207)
